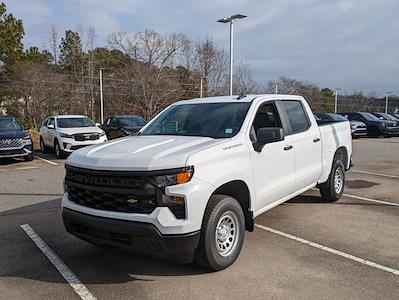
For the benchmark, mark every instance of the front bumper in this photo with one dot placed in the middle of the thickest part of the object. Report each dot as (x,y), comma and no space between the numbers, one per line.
(70,145)
(390,131)
(16,152)
(131,236)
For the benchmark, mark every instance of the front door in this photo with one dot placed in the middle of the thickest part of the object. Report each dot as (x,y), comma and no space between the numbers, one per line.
(274,166)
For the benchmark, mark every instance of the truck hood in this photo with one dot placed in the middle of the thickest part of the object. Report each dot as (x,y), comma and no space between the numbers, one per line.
(141,153)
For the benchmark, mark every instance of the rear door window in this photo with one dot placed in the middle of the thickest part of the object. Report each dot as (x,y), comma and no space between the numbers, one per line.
(297,117)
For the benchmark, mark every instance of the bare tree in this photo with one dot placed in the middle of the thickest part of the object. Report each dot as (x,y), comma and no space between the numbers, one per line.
(150,70)
(211,63)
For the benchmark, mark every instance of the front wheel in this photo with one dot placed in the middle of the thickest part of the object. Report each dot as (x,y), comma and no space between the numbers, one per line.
(57,149)
(222,233)
(332,190)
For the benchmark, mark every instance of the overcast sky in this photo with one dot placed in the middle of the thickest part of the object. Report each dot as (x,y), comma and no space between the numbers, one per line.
(353,44)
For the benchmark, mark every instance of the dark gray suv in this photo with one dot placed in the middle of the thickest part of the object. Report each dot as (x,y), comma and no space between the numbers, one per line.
(375,126)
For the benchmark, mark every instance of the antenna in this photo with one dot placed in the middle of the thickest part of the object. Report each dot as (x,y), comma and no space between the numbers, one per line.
(241,96)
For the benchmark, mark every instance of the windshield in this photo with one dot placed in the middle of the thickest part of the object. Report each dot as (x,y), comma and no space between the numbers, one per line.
(337,117)
(130,122)
(9,124)
(369,117)
(74,122)
(215,120)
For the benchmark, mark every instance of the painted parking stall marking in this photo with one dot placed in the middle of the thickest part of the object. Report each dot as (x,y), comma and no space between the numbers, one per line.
(376,174)
(47,161)
(330,250)
(371,200)
(63,269)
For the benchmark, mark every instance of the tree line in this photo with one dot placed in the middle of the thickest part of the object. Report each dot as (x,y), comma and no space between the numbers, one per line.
(143,72)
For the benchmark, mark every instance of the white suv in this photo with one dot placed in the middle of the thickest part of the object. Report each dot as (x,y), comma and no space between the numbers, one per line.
(67,133)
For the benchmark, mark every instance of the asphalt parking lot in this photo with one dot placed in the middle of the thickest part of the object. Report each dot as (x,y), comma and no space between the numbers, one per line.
(303,249)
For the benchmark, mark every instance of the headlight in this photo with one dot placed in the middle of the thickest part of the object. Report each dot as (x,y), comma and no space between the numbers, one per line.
(353,126)
(27,140)
(67,136)
(163,181)
(102,133)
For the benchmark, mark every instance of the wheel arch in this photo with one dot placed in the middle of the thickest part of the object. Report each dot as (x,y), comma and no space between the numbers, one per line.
(342,154)
(238,190)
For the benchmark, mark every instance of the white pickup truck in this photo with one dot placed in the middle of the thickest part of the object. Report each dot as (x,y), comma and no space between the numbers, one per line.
(193,180)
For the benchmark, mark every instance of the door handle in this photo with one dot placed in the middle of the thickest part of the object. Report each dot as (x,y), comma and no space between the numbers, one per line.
(286,148)
(315,140)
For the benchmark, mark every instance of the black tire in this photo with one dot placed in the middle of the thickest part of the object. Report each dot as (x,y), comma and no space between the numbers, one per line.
(57,150)
(43,147)
(30,157)
(328,190)
(220,210)
(374,132)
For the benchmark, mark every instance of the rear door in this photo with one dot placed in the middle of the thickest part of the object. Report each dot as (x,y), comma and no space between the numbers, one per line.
(306,140)
(274,166)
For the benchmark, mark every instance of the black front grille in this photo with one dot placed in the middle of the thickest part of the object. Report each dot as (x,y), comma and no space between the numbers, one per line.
(111,201)
(107,190)
(80,137)
(129,192)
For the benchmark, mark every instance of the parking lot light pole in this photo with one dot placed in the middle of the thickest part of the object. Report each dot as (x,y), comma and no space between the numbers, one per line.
(101,97)
(276,87)
(336,99)
(230,21)
(386,101)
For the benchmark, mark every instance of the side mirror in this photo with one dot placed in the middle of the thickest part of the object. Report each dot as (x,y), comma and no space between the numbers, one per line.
(50,126)
(98,124)
(268,135)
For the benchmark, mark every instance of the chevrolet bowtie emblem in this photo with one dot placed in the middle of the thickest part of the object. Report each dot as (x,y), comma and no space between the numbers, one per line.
(132,200)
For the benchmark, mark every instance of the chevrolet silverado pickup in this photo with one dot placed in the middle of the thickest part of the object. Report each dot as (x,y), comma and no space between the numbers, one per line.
(190,184)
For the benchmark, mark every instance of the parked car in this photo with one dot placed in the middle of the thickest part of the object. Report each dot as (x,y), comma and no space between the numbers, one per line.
(357,128)
(119,126)
(15,141)
(375,126)
(67,133)
(386,116)
(199,173)
(394,116)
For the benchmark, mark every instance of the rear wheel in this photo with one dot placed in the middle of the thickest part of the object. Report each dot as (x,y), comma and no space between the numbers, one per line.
(43,148)
(332,190)
(222,233)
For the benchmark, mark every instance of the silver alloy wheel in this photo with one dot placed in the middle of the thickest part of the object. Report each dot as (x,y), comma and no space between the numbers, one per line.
(227,234)
(338,180)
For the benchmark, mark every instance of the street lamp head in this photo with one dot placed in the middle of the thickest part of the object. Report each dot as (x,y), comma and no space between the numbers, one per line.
(231,18)
(238,16)
(223,20)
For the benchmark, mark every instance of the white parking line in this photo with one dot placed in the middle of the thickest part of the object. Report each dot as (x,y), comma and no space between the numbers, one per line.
(47,161)
(366,199)
(377,174)
(371,200)
(68,275)
(330,250)
(26,168)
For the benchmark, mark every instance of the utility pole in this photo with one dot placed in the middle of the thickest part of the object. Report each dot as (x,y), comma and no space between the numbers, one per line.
(336,99)
(386,101)
(201,86)
(230,21)
(101,97)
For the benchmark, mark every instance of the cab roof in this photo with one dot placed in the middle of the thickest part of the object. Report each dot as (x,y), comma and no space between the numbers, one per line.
(237,98)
